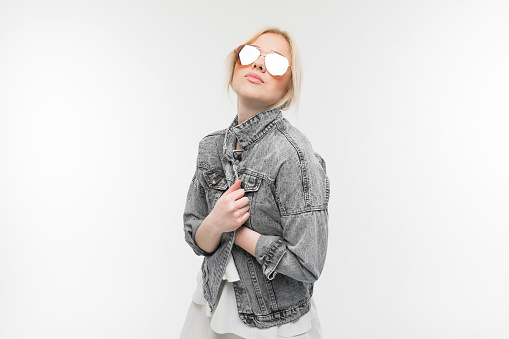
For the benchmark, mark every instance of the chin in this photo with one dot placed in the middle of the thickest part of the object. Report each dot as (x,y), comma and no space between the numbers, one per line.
(249,94)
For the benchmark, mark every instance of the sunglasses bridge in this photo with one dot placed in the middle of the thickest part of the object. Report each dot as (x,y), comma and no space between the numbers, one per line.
(268,52)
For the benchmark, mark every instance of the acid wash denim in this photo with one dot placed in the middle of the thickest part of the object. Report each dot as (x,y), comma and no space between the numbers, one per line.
(288,191)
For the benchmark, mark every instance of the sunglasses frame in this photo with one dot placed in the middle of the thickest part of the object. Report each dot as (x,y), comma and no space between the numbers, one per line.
(237,58)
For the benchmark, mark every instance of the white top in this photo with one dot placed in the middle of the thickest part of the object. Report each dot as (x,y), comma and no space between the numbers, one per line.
(225,318)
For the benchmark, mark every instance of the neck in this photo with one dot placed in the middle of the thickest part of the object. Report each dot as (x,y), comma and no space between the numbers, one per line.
(246,110)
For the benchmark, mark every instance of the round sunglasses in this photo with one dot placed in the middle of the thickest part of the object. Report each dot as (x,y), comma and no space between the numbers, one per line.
(275,63)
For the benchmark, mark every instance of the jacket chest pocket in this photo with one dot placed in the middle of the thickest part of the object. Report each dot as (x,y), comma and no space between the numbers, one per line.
(216,186)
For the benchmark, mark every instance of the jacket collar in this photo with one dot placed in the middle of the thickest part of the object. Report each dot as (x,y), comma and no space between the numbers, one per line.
(251,130)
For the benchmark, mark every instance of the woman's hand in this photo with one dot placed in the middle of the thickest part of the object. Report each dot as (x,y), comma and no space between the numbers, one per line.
(229,213)
(231,210)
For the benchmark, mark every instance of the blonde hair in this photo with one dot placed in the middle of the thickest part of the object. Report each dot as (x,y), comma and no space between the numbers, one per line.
(292,95)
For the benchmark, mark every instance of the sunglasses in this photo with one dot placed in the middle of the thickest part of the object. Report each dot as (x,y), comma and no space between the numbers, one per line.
(275,63)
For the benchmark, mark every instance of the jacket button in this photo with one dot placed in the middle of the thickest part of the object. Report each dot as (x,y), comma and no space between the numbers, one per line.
(249,321)
(213,181)
(240,290)
(242,184)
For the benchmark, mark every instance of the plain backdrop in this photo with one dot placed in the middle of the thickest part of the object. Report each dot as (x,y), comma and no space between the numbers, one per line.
(103,104)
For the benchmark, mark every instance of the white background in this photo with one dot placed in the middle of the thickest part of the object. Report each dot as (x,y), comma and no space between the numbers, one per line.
(103,104)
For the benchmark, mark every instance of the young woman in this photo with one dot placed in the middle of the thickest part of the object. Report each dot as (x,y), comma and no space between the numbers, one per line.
(257,207)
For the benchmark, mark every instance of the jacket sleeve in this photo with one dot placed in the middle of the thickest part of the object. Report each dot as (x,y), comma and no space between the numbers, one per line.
(195,212)
(302,189)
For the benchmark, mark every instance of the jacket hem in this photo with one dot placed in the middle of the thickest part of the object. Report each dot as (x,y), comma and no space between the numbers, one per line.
(276,318)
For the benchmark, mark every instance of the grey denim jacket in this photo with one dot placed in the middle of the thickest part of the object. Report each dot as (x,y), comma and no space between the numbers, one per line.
(288,191)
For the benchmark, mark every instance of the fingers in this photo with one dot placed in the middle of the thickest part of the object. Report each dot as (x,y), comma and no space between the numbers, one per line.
(235,191)
(241,202)
(234,187)
(244,218)
(243,210)
(237,194)
(241,216)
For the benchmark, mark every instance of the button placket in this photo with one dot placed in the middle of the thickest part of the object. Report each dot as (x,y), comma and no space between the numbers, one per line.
(237,158)
(236,165)
(236,169)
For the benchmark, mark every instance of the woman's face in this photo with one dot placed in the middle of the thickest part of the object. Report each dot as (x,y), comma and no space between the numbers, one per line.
(266,90)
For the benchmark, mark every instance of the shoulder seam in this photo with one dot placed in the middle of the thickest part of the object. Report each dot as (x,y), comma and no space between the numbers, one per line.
(303,168)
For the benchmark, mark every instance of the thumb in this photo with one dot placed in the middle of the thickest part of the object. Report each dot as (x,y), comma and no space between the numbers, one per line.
(234,187)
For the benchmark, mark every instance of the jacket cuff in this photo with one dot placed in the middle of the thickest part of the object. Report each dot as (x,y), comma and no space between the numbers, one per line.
(197,249)
(269,251)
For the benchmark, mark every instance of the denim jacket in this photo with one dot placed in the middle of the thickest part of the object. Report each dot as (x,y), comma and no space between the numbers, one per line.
(288,191)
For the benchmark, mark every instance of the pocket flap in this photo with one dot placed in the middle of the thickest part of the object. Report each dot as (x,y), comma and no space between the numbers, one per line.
(215,180)
(251,182)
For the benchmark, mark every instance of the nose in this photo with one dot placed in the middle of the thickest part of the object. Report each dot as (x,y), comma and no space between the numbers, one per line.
(259,63)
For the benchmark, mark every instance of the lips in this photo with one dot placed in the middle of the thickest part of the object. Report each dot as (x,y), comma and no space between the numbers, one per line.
(254,78)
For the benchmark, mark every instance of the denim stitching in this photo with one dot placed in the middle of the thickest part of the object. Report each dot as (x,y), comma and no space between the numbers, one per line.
(302,162)
(271,276)
(291,314)
(220,264)
(258,292)
(327,191)
(258,136)
(305,210)
(268,259)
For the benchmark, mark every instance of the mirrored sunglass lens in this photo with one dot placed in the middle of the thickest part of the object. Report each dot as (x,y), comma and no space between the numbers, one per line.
(276,64)
(248,54)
